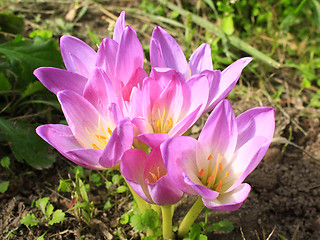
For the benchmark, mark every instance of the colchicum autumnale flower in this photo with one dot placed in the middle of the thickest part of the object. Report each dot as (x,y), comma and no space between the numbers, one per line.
(227,151)
(121,58)
(147,175)
(166,52)
(166,106)
(91,139)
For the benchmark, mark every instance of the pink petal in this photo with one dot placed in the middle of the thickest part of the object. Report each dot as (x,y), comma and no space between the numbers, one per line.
(245,161)
(215,95)
(230,201)
(59,136)
(99,91)
(219,134)
(136,80)
(78,57)
(164,192)
(166,52)
(81,116)
(55,79)
(153,139)
(88,158)
(201,59)
(130,55)
(132,167)
(121,140)
(184,124)
(106,59)
(119,27)
(195,94)
(201,190)
(255,122)
(143,125)
(179,156)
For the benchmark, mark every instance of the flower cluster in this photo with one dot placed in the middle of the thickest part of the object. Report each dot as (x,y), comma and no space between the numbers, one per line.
(120,117)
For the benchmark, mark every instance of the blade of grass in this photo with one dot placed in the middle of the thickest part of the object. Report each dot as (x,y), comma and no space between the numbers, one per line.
(235,41)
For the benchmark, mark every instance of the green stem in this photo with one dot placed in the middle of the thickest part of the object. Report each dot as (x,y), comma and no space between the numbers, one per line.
(166,222)
(142,204)
(156,208)
(190,218)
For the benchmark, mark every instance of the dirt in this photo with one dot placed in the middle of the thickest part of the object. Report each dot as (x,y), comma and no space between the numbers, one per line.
(285,186)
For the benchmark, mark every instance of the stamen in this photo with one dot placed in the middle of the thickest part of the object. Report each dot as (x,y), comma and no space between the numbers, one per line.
(201,172)
(153,176)
(94,146)
(158,171)
(220,167)
(210,178)
(109,131)
(210,156)
(219,186)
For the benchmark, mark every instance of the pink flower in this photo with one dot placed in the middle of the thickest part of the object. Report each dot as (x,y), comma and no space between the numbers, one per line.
(166,52)
(91,139)
(227,151)
(121,58)
(148,177)
(166,106)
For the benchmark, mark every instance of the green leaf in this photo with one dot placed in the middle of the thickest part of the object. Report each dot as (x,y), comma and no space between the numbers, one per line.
(26,145)
(224,226)
(93,37)
(136,222)
(32,88)
(141,222)
(49,211)
(25,56)
(5,162)
(116,179)
(4,186)
(107,205)
(282,237)
(45,34)
(95,177)
(11,23)
(317,11)
(122,189)
(4,83)
(42,203)
(58,216)
(150,219)
(82,190)
(227,25)
(203,237)
(42,236)
(195,231)
(29,220)
(148,238)
(64,186)
(124,218)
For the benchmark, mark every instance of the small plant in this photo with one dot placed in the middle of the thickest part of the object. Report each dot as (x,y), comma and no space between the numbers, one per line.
(79,205)
(49,215)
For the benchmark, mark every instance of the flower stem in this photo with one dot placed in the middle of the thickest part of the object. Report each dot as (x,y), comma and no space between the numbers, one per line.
(166,222)
(190,218)
(142,204)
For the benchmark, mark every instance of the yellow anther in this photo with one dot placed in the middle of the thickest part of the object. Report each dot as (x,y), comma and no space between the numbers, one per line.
(153,176)
(219,186)
(201,172)
(109,131)
(210,178)
(94,146)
